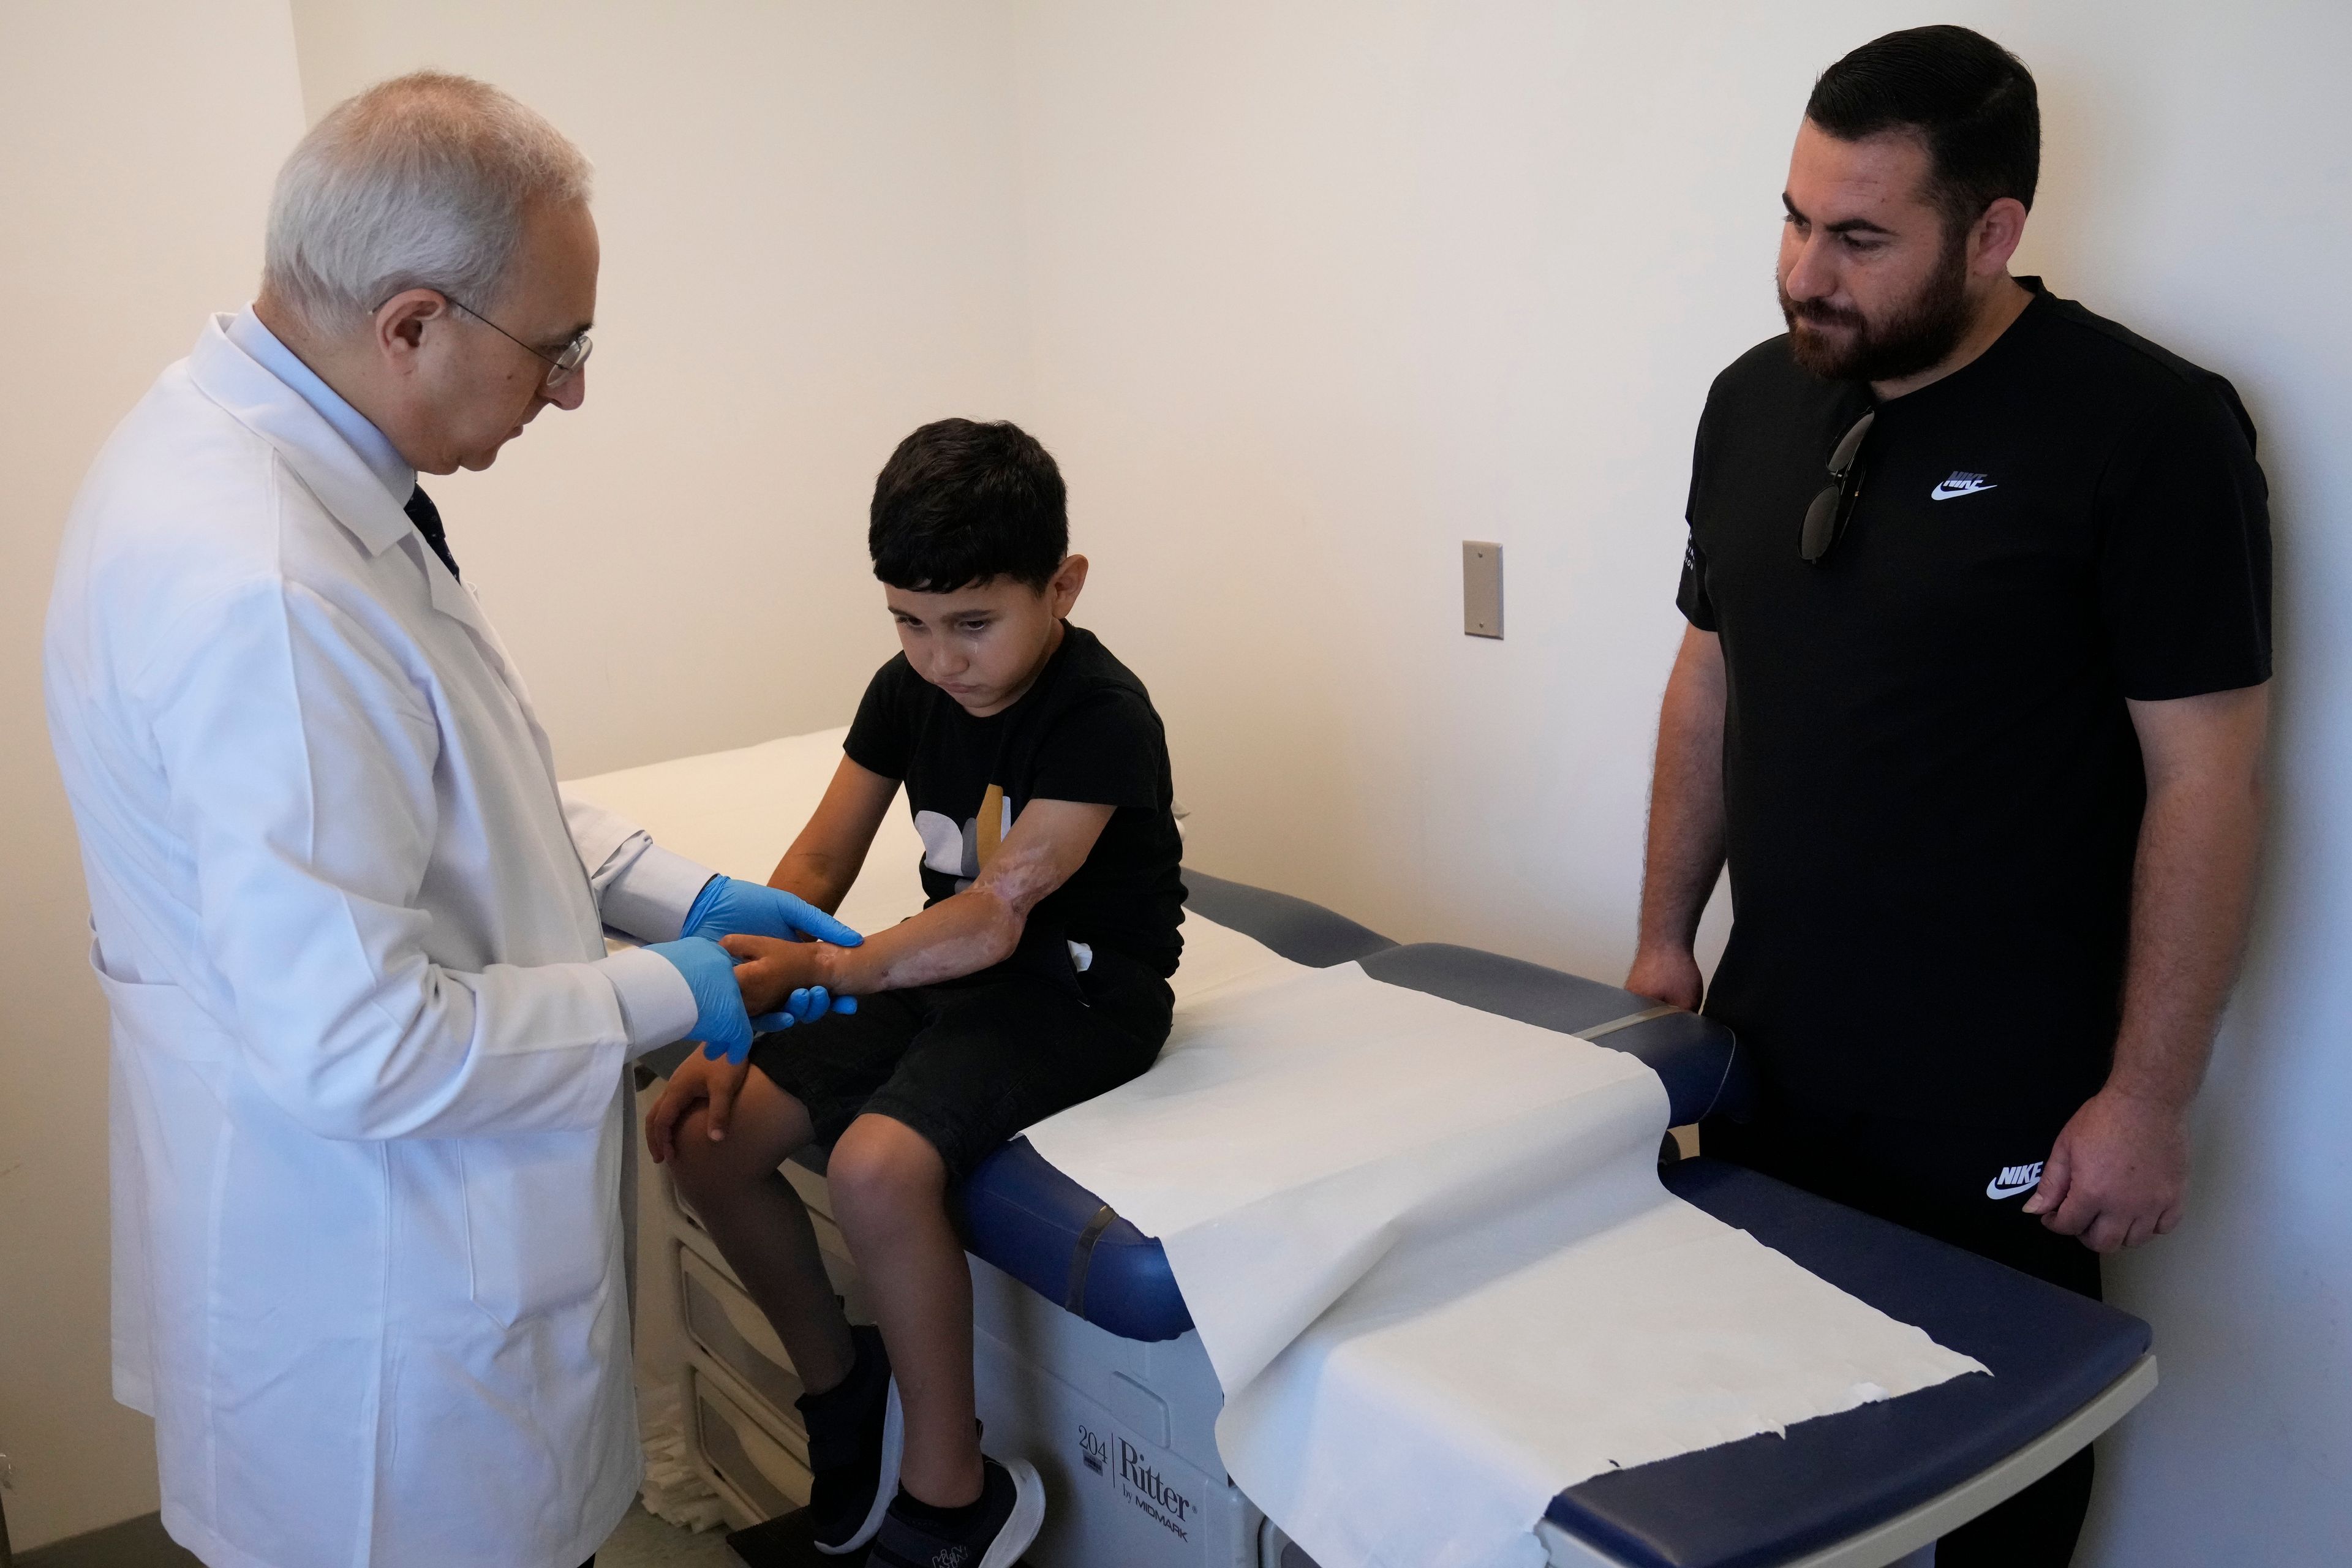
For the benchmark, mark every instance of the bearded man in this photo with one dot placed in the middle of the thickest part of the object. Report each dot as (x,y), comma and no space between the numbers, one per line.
(1971,702)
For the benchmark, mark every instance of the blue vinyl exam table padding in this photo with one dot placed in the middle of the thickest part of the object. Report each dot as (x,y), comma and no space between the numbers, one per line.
(1697,1060)
(1773,1499)
(1300,931)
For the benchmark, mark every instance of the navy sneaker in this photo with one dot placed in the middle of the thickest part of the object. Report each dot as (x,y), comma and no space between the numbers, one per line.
(991,1534)
(857,1438)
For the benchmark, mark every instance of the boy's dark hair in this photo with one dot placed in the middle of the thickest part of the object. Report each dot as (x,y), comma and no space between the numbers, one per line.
(959,502)
(1970,100)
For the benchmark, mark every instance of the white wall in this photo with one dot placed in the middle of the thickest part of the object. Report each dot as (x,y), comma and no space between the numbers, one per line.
(1302,296)
(1317,290)
(809,241)
(137,142)
(2215,200)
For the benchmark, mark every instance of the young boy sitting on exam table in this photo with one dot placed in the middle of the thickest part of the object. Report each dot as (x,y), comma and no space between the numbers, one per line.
(1035,977)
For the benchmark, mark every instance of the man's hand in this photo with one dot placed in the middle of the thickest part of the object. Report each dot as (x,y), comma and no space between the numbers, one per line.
(728,905)
(698,1080)
(721,1021)
(1667,974)
(2119,1171)
(2118,1175)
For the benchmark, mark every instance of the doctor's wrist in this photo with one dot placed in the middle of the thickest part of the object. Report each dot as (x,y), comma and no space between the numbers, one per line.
(705,903)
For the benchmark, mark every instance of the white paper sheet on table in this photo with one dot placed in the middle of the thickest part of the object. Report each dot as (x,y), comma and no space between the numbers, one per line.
(1428,1257)
(1427,1247)
(738,811)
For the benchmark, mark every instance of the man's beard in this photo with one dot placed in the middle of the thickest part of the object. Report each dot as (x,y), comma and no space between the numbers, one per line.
(1918,335)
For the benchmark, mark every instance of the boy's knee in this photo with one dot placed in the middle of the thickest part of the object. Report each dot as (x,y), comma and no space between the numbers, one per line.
(881,1165)
(701,1168)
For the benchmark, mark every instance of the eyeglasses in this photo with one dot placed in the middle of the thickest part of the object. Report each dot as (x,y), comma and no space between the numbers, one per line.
(1833,507)
(561,364)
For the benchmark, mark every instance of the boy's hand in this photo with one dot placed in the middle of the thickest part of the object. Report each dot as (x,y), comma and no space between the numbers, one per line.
(791,980)
(698,1080)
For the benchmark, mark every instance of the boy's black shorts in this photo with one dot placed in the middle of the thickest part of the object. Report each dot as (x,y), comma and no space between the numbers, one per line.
(969,1063)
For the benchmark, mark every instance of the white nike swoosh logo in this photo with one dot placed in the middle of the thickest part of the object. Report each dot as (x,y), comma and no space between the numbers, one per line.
(1993,1189)
(1947,490)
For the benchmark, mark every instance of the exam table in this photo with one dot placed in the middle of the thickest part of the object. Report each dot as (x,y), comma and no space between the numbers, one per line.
(1087,1364)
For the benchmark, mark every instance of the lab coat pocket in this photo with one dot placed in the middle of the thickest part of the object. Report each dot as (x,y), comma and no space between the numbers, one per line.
(157,1016)
(543,1221)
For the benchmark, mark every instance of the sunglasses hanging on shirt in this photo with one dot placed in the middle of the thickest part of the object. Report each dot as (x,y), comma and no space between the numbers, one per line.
(1833,507)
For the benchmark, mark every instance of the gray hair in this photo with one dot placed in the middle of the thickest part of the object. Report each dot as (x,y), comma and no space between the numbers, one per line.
(422,182)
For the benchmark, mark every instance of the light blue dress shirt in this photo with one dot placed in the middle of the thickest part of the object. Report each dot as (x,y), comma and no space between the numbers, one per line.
(382,458)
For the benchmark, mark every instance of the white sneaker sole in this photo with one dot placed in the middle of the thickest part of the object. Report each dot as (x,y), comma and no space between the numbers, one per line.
(894,1451)
(1027,1518)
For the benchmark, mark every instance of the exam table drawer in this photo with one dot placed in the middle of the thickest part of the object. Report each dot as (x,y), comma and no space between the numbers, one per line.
(752,1470)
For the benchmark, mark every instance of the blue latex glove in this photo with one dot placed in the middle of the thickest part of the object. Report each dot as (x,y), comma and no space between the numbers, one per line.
(721,1022)
(719,1005)
(805,1006)
(728,905)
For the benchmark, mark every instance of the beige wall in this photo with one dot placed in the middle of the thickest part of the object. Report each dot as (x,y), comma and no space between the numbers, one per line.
(137,142)
(1302,296)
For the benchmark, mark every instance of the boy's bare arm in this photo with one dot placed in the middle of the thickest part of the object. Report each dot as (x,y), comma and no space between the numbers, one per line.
(955,937)
(824,860)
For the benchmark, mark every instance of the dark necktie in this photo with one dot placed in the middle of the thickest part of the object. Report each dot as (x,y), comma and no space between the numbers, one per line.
(427,518)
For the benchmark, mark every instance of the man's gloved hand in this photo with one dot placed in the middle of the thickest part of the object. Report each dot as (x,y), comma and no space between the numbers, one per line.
(728,906)
(805,1006)
(721,1022)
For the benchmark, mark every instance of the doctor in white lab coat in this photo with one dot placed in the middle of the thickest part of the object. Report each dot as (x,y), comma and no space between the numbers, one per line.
(368,1052)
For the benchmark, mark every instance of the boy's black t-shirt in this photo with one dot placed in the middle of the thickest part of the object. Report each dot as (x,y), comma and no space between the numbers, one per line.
(1085,732)
(1932,787)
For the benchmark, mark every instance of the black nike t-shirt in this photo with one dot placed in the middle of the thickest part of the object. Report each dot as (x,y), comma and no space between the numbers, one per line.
(1932,786)
(1085,732)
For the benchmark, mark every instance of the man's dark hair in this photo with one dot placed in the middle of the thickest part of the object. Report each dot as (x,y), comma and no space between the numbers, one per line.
(1970,100)
(959,502)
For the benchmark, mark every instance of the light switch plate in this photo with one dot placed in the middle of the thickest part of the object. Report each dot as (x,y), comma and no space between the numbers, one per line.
(1482,588)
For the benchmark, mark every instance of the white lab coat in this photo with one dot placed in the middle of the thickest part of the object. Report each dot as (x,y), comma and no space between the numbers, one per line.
(367,1109)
